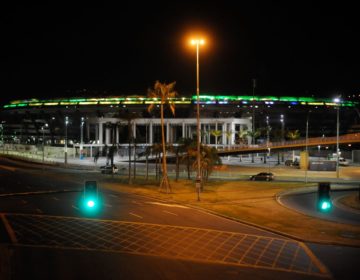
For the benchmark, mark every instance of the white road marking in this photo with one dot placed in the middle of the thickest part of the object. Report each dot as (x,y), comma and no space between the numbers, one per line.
(23,201)
(168,205)
(55,198)
(135,202)
(74,207)
(39,211)
(113,195)
(107,205)
(169,213)
(135,215)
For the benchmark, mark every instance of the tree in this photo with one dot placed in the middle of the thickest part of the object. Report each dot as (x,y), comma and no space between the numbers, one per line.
(208,158)
(293,135)
(166,93)
(253,134)
(189,153)
(216,134)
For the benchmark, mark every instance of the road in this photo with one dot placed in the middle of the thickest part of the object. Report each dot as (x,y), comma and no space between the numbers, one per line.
(306,202)
(134,237)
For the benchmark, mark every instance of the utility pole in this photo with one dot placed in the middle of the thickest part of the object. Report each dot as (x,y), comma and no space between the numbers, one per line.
(253,117)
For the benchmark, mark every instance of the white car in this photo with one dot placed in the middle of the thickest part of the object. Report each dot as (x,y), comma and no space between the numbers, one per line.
(343,162)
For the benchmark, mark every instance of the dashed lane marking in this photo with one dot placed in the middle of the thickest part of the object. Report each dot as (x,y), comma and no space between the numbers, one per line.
(167,205)
(39,211)
(169,213)
(55,198)
(107,205)
(74,207)
(135,215)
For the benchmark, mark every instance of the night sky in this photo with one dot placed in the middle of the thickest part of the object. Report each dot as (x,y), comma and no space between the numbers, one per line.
(291,47)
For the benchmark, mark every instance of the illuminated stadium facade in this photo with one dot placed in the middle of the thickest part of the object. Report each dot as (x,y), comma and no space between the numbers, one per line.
(105,121)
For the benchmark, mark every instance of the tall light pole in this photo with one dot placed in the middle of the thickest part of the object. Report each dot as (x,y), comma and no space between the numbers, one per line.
(282,120)
(43,142)
(81,136)
(267,136)
(306,146)
(337,101)
(198,42)
(253,117)
(66,125)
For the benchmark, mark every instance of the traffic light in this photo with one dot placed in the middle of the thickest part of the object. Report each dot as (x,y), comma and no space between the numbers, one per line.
(323,199)
(90,195)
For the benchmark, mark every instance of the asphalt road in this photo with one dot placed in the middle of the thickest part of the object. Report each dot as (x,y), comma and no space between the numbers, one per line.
(306,202)
(134,237)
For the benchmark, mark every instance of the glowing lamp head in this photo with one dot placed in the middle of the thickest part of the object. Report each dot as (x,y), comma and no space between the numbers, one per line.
(337,100)
(197,41)
(325,205)
(90,203)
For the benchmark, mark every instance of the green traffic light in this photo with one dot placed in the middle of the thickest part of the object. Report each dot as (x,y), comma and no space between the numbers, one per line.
(325,205)
(90,203)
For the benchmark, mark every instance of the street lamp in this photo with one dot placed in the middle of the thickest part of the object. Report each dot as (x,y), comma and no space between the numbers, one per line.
(267,136)
(43,141)
(82,135)
(198,42)
(306,146)
(337,101)
(66,124)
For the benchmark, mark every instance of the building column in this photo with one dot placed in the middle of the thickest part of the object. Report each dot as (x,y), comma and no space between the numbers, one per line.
(134,129)
(232,142)
(183,130)
(167,132)
(100,131)
(151,133)
(117,134)
(224,134)
(107,135)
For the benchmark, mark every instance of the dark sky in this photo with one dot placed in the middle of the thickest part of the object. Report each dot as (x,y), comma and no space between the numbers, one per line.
(291,47)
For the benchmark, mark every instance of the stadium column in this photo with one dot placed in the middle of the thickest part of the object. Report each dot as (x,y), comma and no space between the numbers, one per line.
(100,133)
(107,134)
(224,133)
(117,134)
(151,133)
(167,132)
(232,133)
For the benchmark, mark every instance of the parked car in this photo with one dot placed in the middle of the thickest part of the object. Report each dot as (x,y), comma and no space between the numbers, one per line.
(343,162)
(109,169)
(262,176)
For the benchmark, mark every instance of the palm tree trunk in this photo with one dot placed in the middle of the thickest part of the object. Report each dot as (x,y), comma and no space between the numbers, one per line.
(165,180)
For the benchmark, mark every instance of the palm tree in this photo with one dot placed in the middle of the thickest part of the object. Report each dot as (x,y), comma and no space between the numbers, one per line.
(216,134)
(293,135)
(208,158)
(253,134)
(166,93)
(189,153)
